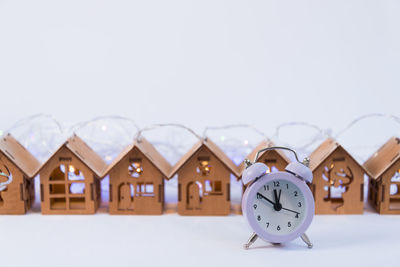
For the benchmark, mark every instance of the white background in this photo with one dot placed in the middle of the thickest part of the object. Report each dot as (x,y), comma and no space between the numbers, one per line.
(200,63)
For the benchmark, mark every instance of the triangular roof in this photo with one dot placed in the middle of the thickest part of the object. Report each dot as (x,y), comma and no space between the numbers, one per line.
(263,144)
(383,158)
(214,149)
(19,155)
(149,151)
(83,152)
(324,150)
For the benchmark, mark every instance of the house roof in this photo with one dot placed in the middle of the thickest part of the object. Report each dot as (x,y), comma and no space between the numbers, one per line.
(149,151)
(85,153)
(383,158)
(324,150)
(263,144)
(214,149)
(19,155)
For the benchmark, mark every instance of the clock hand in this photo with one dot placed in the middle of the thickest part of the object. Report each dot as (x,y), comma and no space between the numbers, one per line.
(291,210)
(278,205)
(261,196)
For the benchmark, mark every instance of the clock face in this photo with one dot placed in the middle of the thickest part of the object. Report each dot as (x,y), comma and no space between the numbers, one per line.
(279,207)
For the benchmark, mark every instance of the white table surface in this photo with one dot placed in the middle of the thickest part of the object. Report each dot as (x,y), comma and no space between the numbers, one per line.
(173,240)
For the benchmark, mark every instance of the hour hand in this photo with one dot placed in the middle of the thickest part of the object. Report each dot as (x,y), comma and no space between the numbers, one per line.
(267,199)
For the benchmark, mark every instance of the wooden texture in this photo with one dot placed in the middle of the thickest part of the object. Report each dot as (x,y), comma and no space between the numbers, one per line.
(137,180)
(69,180)
(204,180)
(383,168)
(338,180)
(19,165)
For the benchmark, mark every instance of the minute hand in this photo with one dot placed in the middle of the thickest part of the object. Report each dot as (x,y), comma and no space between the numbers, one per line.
(291,210)
(270,201)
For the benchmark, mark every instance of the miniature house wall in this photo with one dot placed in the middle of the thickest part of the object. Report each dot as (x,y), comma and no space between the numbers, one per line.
(338,184)
(69,181)
(17,167)
(137,180)
(204,180)
(383,168)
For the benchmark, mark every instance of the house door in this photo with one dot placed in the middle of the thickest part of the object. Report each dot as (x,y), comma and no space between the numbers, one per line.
(194,195)
(125,200)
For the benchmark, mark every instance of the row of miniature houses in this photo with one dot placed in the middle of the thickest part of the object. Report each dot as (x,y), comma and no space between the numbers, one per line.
(70,178)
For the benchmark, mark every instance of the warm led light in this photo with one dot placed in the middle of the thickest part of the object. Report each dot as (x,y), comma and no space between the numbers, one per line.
(71,169)
(138,170)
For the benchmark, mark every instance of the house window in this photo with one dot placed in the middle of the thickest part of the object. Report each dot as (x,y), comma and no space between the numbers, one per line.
(204,167)
(145,189)
(5,177)
(5,180)
(394,198)
(337,182)
(213,187)
(135,168)
(67,188)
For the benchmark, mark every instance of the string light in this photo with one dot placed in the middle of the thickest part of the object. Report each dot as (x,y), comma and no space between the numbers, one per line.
(40,136)
(155,126)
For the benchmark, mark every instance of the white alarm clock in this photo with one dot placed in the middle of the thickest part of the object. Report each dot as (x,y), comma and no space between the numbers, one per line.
(279,206)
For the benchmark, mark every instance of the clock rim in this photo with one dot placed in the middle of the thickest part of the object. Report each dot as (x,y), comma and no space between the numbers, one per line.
(250,194)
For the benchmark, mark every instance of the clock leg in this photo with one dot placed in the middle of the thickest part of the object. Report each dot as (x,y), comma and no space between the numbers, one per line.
(306,240)
(251,240)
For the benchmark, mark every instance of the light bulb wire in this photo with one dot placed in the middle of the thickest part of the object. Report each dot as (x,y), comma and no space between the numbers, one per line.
(314,139)
(159,125)
(80,125)
(364,117)
(231,126)
(28,119)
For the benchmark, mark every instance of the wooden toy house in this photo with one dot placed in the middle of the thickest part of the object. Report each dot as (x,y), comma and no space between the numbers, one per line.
(204,180)
(383,168)
(69,181)
(137,180)
(338,184)
(17,167)
(276,160)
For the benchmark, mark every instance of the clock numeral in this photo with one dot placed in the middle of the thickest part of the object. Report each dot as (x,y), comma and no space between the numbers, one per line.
(297,215)
(287,186)
(267,224)
(266,187)
(255,206)
(259,196)
(258,218)
(295,193)
(276,183)
(299,204)
(289,224)
(278,228)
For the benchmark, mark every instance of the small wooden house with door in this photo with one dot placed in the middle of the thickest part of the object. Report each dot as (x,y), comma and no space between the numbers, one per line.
(17,167)
(338,184)
(137,180)
(204,180)
(383,168)
(69,180)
